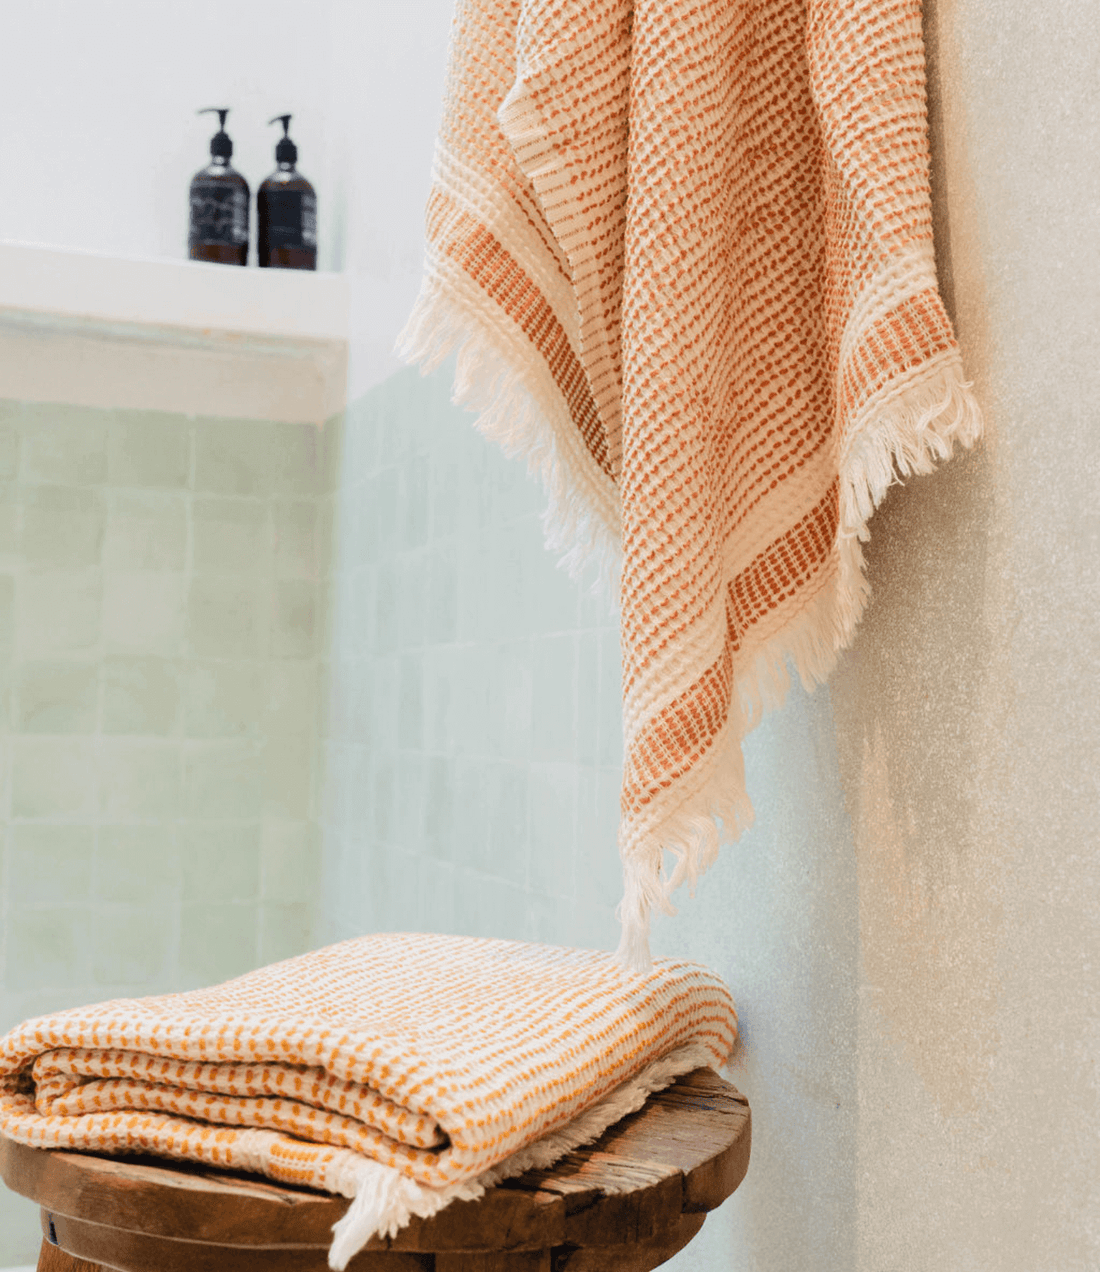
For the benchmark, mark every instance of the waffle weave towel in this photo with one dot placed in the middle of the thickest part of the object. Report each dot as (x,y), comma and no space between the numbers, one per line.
(404,1071)
(684,254)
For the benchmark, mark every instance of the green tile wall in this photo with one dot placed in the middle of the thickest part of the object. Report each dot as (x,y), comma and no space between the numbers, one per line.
(162,594)
(472,727)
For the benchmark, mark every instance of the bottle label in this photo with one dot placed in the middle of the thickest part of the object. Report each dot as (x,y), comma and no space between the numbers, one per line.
(291,218)
(219,213)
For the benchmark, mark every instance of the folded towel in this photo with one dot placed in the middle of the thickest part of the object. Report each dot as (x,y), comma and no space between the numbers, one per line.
(683,249)
(405,1071)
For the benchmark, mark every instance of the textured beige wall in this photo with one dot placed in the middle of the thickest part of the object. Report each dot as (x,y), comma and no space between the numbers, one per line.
(966,716)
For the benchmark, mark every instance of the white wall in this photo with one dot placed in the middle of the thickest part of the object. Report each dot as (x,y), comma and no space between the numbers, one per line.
(99,101)
(390,60)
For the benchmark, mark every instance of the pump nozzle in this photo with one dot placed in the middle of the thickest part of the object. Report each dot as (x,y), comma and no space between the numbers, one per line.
(220,144)
(286,151)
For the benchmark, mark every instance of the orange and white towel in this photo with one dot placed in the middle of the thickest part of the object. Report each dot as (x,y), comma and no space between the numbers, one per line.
(405,1071)
(683,251)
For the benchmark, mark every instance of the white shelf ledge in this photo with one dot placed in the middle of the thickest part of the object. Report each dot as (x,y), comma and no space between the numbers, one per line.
(168,293)
(108,331)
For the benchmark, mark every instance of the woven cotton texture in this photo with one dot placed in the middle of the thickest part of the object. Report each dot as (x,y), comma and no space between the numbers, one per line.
(684,254)
(406,1071)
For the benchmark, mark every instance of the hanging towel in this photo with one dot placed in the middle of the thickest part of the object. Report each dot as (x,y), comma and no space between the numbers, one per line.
(404,1071)
(683,252)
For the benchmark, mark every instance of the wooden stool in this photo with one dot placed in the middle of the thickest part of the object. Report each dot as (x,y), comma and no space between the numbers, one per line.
(679,1156)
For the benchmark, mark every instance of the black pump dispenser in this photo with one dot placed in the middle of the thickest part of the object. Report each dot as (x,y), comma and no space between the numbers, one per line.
(287,208)
(220,145)
(286,151)
(220,200)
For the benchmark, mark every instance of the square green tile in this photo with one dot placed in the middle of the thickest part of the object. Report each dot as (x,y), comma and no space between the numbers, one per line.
(64,444)
(53,777)
(144,612)
(63,526)
(223,617)
(223,699)
(7,610)
(297,530)
(131,945)
(11,526)
(286,931)
(288,763)
(220,862)
(140,695)
(49,864)
(233,456)
(217,941)
(291,861)
(6,676)
(230,536)
(294,620)
(138,865)
(59,610)
(297,459)
(292,691)
(146,530)
(149,448)
(47,947)
(9,446)
(139,779)
(223,781)
(55,697)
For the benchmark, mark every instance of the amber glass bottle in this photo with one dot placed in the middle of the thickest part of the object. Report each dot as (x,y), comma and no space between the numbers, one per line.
(220,200)
(287,211)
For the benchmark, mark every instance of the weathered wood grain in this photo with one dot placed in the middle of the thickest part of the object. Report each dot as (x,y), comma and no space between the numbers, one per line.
(627,1201)
(634,1256)
(137,1252)
(52,1258)
(525,1261)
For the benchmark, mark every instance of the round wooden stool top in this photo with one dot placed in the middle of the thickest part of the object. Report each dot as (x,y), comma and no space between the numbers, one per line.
(629,1201)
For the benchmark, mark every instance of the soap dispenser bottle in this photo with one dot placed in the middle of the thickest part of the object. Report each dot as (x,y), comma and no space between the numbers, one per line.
(287,208)
(219,204)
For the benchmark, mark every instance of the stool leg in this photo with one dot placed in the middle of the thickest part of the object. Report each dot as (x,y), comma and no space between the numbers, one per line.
(52,1258)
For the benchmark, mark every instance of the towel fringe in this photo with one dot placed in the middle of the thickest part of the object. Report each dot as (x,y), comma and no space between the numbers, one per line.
(385,1199)
(907,430)
(904,432)
(585,538)
(718,808)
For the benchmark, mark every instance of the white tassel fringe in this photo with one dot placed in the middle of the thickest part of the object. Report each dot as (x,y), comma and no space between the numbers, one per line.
(906,431)
(385,1199)
(581,522)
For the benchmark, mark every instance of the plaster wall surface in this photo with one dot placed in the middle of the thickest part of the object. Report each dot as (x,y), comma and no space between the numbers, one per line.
(966,731)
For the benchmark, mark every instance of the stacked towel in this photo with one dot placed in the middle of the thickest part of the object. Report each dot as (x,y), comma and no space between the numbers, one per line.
(405,1071)
(683,249)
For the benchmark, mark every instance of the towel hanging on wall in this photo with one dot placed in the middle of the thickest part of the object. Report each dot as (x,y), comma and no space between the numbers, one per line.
(684,254)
